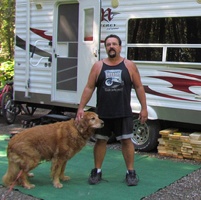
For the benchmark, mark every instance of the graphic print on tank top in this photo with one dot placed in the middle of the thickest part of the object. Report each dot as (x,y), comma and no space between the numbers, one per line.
(113,80)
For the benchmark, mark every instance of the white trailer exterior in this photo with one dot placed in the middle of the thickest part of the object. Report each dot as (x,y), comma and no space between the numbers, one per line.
(58,41)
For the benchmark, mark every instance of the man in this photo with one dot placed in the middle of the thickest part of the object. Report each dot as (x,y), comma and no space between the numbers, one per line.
(114,78)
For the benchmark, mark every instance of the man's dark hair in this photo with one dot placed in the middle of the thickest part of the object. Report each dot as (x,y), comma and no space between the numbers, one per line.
(113,36)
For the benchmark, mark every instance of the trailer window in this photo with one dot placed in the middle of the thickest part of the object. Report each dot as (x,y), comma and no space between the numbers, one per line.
(170,39)
(145,53)
(88,24)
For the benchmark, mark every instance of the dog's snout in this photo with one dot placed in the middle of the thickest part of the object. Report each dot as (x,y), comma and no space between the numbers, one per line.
(102,123)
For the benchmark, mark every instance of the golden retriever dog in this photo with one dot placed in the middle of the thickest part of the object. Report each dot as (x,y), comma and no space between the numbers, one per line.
(57,142)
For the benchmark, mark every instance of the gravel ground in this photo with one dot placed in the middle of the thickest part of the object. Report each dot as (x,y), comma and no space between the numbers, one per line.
(186,188)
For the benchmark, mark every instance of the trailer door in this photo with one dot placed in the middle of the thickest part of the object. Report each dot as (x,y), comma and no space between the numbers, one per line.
(89,41)
(73,58)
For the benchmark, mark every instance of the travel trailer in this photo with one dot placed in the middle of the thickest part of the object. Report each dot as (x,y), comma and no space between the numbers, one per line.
(57,42)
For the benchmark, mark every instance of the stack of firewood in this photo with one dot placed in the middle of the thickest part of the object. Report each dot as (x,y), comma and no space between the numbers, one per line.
(180,145)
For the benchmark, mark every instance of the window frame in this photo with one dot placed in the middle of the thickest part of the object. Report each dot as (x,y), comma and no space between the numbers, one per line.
(164,46)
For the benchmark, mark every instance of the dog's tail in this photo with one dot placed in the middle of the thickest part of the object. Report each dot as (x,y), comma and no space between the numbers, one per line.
(11,174)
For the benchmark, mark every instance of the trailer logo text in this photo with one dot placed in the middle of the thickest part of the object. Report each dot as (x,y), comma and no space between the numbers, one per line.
(107,16)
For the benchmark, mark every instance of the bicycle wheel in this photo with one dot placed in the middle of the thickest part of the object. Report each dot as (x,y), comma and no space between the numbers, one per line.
(5,98)
(8,108)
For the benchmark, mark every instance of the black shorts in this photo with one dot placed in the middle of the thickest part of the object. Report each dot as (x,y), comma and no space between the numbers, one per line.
(122,128)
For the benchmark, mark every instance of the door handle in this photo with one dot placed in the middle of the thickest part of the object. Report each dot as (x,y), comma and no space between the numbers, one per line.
(56,55)
(95,52)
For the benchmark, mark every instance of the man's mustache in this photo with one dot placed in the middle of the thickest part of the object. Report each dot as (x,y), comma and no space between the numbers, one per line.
(111,50)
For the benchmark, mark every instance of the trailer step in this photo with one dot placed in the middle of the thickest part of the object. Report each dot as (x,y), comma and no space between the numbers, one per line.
(46,119)
(57,117)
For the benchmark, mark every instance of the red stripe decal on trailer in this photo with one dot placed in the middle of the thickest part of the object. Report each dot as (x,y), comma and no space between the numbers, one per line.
(41,33)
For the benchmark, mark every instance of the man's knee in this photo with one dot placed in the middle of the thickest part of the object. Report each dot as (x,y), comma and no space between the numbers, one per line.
(126,141)
(101,142)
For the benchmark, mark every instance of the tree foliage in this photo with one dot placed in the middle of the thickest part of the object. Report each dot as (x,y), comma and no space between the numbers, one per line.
(7,27)
(6,72)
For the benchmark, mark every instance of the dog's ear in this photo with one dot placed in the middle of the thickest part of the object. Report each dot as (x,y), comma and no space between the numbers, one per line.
(81,125)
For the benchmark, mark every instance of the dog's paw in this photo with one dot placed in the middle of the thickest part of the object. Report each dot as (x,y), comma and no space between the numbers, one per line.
(30,174)
(29,186)
(58,185)
(65,178)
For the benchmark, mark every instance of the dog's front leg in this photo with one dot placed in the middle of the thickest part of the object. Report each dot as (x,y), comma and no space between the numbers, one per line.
(62,175)
(56,171)
(24,181)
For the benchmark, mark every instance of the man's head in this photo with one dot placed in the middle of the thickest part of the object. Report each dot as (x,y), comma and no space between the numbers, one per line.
(113,45)
(113,36)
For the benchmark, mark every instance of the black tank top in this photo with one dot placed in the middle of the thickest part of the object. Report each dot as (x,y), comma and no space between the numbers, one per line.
(114,91)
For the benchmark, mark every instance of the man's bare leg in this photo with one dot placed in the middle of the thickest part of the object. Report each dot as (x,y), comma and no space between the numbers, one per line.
(99,153)
(128,152)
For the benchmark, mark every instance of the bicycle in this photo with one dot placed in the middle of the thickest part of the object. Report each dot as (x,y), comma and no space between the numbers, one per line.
(7,107)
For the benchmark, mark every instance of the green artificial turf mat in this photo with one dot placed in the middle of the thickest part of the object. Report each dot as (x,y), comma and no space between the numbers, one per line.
(153,173)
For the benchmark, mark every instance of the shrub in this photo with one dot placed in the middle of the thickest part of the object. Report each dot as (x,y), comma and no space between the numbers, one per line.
(6,72)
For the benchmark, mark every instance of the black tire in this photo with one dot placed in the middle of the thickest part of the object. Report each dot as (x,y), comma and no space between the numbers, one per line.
(18,109)
(9,112)
(5,98)
(145,136)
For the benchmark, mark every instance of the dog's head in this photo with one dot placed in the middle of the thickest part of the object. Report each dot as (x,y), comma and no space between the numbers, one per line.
(89,121)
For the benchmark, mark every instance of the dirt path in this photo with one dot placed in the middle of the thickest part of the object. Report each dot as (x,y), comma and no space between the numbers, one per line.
(17,126)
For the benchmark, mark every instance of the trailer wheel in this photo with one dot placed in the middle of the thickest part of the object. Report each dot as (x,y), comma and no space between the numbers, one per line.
(145,136)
